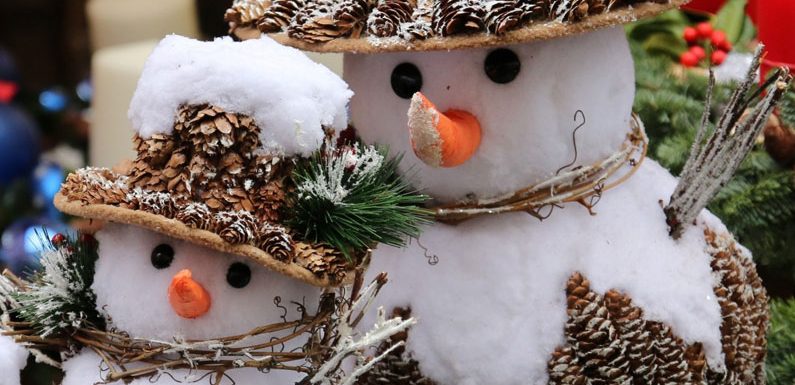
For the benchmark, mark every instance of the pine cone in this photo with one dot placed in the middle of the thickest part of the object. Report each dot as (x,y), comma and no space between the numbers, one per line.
(275,241)
(569,10)
(325,20)
(420,27)
(451,17)
(153,202)
(245,12)
(95,186)
(323,261)
(235,227)
(564,370)
(279,15)
(780,142)
(743,303)
(196,215)
(505,15)
(386,19)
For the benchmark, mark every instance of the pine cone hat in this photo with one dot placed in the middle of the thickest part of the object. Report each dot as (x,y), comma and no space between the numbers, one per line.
(368,26)
(217,127)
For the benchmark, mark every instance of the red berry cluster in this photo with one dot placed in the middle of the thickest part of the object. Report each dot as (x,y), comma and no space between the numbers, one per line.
(697,38)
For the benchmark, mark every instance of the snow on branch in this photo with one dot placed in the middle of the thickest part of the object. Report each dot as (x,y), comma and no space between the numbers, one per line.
(710,166)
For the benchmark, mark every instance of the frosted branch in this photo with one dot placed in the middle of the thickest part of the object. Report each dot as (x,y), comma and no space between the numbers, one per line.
(710,166)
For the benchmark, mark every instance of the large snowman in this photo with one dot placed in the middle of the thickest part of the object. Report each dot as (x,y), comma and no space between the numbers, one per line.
(502,107)
(193,248)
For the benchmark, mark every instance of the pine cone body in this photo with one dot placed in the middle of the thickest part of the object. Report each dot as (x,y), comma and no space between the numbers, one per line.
(451,17)
(388,16)
(279,15)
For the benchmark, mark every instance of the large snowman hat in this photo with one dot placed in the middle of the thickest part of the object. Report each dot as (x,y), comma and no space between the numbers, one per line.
(217,126)
(369,26)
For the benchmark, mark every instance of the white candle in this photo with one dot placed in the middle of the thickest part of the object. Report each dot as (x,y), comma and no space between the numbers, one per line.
(113,22)
(115,72)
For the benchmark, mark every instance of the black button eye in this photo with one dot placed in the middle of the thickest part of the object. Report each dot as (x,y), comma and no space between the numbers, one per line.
(162,256)
(239,275)
(502,66)
(406,80)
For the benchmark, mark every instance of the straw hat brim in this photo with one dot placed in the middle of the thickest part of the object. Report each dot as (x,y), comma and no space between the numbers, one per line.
(533,32)
(176,229)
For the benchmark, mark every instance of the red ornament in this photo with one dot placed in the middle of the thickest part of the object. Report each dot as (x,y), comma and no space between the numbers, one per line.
(775,26)
(7,91)
(58,239)
(688,59)
(690,35)
(718,57)
(704,30)
(698,51)
(718,38)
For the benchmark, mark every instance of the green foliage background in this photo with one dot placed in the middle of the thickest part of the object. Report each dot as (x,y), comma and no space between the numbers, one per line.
(758,204)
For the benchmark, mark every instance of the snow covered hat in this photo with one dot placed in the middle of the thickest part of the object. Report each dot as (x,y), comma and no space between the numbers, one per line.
(368,26)
(218,125)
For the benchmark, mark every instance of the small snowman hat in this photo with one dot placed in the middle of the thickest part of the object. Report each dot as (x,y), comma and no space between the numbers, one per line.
(217,126)
(370,26)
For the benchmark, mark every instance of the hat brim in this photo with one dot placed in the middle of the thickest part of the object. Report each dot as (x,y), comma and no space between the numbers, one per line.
(178,230)
(533,32)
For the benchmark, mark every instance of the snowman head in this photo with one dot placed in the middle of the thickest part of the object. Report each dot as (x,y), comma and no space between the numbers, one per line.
(155,286)
(503,85)
(488,121)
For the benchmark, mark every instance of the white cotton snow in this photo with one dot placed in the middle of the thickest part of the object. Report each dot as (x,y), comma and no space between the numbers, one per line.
(493,309)
(289,96)
(12,360)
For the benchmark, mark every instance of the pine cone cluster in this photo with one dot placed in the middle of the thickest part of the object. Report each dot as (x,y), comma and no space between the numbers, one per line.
(210,157)
(397,368)
(318,21)
(744,307)
(324,20)
(95,186)
(608,341)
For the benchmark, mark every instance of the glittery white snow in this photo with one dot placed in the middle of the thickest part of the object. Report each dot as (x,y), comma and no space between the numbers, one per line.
(289,96)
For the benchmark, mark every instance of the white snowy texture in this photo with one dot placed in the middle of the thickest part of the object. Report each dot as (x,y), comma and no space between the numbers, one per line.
(527,124)
(331,183)
(493,309)
(289,96)
(135,294)
(12,360)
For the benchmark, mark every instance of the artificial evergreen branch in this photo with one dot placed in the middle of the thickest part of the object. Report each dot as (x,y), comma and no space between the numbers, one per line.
(710,168)
(58,299)
(781,340)
(352,197)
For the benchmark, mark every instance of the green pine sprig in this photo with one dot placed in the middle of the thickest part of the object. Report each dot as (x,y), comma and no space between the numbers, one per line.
(780,362)
(59,298)
(353,198)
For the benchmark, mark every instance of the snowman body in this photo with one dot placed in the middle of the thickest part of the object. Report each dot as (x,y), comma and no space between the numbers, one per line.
(135,296)
(494,309)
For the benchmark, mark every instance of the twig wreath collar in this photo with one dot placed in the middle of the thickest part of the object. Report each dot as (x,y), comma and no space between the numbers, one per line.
(581,184)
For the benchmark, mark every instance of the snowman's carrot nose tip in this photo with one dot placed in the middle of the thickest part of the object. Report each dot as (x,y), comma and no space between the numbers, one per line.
(187,297)
(442,139)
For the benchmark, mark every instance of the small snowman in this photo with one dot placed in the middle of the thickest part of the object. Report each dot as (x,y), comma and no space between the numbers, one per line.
(517,112)
(196,254)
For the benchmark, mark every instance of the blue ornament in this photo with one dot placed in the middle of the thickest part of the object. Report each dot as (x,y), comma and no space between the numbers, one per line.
(19,144)
(53,100)
(23,241)
(85,90)
(47,179)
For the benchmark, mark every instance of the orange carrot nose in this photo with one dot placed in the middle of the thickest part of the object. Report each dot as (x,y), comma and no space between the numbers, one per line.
(442,139)
(187,297)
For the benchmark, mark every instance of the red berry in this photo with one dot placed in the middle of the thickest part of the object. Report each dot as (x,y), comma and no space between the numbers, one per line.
(704,30)
(58,239)
(718,57)
(718,38)
(698,51)
(688,59)
(690,34)
(726,46)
